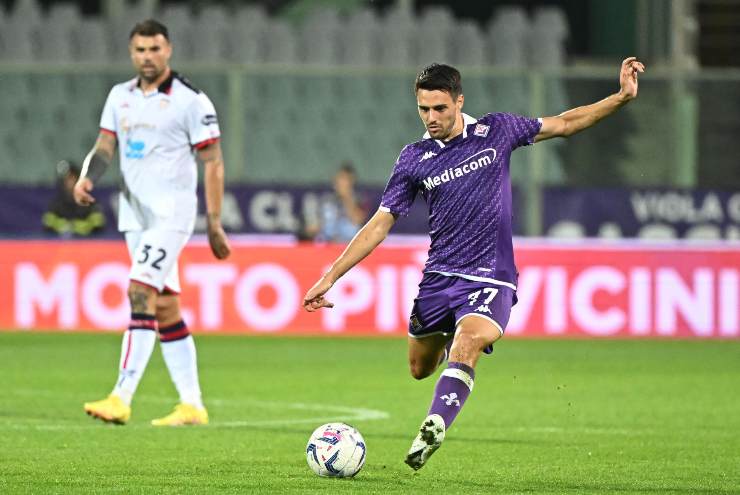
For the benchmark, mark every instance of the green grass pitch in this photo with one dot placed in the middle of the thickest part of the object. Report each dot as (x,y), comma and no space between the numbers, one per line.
(545,417)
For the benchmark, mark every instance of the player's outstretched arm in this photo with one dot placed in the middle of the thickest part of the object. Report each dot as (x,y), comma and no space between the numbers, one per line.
(213,178)
(93,167)
(580,118)
(367,239)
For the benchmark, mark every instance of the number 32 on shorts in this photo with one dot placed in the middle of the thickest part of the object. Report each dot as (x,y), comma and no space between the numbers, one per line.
(156,255)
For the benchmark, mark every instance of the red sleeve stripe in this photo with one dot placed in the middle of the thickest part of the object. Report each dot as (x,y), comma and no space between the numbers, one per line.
(205,143)
(107,131)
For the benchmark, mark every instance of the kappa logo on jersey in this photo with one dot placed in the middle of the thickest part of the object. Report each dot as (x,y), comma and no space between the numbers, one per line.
(483,308)
(209,119)
(481,130)
(480,160)
(427,155)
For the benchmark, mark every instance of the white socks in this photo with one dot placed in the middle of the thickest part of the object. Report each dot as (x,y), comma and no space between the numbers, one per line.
(178,350)
(181,360)
(136,349)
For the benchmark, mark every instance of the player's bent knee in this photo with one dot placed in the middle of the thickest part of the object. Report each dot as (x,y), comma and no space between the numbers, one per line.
(168,309)
(483,340)
(419,371)
(479,330)
(476,339)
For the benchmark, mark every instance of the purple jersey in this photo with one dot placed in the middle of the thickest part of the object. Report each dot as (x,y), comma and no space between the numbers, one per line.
(467,187)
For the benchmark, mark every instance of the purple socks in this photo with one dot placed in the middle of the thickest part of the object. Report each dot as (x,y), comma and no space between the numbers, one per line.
(451,391)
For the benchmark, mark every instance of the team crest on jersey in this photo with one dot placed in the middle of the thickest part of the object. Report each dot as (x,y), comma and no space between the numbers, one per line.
(481,130)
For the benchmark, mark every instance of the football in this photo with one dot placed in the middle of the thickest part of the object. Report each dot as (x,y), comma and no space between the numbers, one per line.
(336,450)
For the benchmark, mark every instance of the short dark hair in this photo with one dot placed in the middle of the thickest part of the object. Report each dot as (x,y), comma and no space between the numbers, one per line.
(439,77)
(348,168)
(149,27)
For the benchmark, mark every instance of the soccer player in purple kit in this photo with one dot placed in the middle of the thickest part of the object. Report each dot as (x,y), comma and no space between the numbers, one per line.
(461,169)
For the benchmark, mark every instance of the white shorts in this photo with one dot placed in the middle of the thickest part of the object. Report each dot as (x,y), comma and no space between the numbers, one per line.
(154,255)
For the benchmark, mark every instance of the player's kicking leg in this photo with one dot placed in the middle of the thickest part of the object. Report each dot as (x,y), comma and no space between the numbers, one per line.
(178,350)
(473,335)
(425,356)
(136,349)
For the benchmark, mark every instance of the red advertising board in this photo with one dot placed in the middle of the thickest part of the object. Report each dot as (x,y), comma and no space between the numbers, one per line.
(571,290)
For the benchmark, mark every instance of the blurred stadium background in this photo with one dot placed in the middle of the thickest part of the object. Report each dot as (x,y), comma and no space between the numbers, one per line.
(301,86)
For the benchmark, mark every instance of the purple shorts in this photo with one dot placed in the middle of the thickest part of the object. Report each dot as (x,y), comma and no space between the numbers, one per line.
(444,300)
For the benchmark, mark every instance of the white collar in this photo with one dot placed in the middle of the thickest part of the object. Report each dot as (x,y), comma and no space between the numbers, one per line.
(467,120)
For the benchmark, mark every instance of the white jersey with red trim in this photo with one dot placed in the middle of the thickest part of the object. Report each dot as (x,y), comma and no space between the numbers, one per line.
(158,135)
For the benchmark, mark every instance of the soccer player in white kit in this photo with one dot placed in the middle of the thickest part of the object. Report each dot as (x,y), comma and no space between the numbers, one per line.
(162,124)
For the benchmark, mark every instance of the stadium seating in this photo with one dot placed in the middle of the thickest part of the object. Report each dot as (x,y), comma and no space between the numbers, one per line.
(549,35)
(281,46)
(247,33)
(55,32)
(89,41)
(210,34)
(507,37)
(360,34)
(471,49)
(318,38)
(217,33)
(364,112)
(398,32)
(181,25)
(17,38)
(436,35)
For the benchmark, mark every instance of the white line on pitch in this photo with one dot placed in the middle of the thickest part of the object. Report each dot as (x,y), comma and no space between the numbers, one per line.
(332,413)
